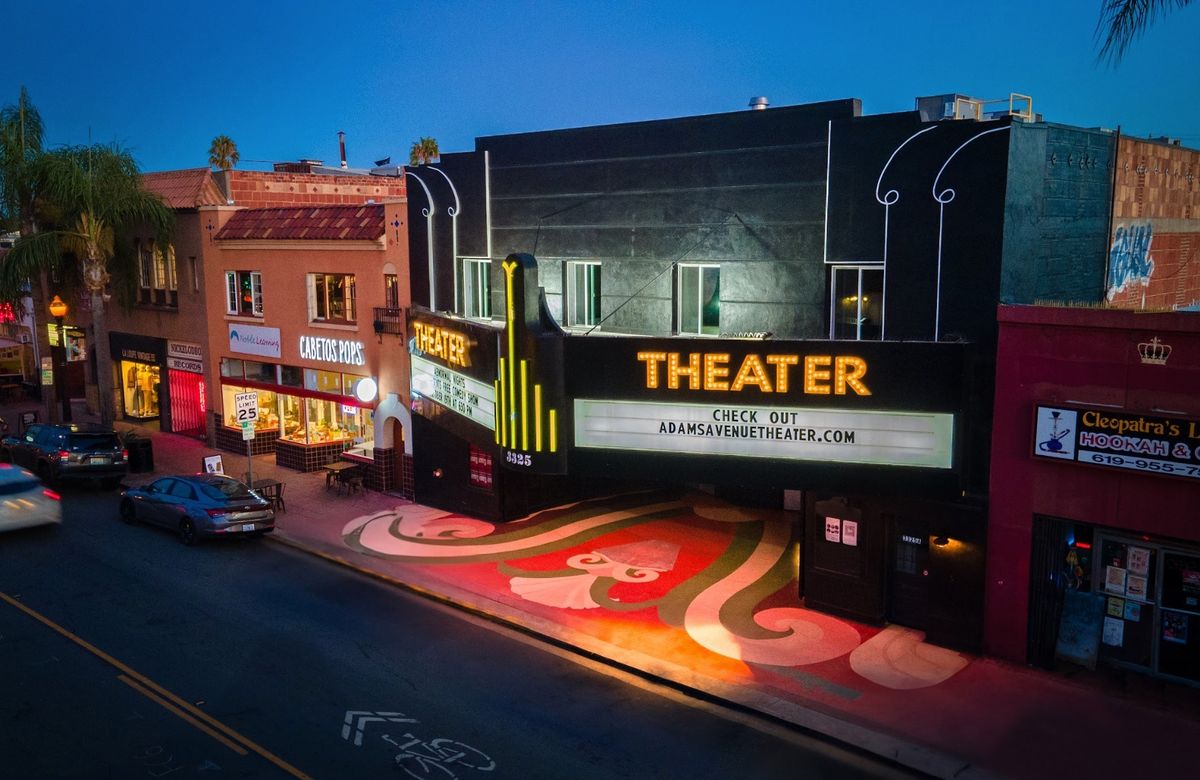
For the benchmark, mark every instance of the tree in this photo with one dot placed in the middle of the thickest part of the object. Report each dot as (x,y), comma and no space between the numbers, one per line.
(423,151)
(96,192)
(1121,21)
(223,153)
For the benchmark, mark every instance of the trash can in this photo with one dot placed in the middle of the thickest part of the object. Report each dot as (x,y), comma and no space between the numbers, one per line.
(141,454)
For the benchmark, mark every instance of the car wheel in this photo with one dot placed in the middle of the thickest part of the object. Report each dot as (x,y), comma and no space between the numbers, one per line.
(187,532)
(128,513)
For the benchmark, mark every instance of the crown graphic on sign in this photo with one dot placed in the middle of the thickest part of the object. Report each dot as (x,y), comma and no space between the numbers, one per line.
(1154,352)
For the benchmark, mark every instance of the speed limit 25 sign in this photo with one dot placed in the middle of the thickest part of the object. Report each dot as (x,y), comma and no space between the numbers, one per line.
(246,407)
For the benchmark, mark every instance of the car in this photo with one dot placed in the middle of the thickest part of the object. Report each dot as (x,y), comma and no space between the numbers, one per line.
(68,451)
(25,501)
(199,506)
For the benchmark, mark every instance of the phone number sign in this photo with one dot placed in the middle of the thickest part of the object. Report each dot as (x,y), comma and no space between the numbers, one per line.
(1119,440)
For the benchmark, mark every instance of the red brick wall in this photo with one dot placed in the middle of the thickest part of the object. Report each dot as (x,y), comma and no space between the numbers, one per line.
(259,189)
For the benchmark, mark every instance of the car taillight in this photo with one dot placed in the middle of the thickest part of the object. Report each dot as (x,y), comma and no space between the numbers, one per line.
(124,454)
(63,456)
(51,494)
(217,512)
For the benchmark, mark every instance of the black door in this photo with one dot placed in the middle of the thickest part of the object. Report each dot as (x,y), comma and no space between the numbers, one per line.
(909,591)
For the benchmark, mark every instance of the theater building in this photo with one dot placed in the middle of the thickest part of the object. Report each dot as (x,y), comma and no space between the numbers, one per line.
(680,259)
(1094,550)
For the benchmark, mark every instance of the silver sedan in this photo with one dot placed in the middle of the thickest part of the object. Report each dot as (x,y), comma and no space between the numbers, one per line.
(199,506)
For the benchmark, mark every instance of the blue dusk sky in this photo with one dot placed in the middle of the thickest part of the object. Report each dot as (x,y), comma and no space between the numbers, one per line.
(281,78)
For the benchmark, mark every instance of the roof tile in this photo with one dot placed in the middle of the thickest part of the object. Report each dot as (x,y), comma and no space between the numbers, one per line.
(345,223)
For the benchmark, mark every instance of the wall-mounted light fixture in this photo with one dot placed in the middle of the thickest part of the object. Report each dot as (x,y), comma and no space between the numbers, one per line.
(941,541)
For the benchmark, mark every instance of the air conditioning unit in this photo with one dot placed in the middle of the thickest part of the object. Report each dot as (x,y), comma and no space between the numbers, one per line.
(25,338)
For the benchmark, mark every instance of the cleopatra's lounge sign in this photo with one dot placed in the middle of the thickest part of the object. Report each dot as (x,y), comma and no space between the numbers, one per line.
(1167,446)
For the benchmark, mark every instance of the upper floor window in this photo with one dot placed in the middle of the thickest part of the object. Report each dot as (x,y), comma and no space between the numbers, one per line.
(698,297)
(331,298)
(243,293)
(856,303)
(391,291)
(581,293)
(477,287)
(157,279)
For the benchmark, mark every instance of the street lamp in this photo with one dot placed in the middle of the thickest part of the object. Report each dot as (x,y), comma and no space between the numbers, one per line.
(58,310)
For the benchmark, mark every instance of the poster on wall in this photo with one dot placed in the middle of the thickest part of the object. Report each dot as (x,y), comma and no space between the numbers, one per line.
(1139,561)
(833,530)
(1114,579)
(1133,611)
(1175,628)
(1116,606)
(1114,631)
(850,532)
(1135,587)
(1162,446)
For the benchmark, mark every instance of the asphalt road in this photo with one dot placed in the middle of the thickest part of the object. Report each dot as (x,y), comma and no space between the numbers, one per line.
(124,654)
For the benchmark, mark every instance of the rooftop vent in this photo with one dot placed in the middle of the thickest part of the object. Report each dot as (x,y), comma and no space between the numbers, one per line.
(759,103)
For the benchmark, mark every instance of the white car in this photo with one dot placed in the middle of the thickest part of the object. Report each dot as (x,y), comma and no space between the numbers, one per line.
(25,501)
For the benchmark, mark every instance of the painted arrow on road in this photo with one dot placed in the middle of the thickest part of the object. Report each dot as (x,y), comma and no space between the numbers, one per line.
(357,720)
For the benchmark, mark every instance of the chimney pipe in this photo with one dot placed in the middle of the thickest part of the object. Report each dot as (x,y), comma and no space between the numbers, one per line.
(342,146)
(758,103)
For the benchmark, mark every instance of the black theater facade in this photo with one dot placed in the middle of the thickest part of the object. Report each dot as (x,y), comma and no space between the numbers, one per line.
(717,295)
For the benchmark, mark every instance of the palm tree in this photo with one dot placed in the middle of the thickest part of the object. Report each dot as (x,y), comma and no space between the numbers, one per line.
(97,193)
(423,151)
(1121,21)
(223,153)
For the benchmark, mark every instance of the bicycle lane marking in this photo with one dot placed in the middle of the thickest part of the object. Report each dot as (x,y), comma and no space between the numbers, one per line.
(166,696)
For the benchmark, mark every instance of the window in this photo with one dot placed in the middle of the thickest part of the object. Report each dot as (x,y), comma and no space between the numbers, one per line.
(481,468)
(157,281)
(856,303)
(391,291)
(243,293)
(699,299)
(323,381)
(581,293)
(195,274)
(477,287)
(331,298)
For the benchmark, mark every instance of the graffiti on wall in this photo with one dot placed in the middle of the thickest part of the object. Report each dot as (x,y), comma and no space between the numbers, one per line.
(1129,257)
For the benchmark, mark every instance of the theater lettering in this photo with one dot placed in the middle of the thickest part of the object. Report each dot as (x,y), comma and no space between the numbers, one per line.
(772,373)
(446,344)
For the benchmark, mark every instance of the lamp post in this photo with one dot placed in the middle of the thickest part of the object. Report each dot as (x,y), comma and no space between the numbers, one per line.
(58,310)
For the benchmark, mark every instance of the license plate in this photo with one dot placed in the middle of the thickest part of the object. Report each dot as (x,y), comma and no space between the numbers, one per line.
(98,459)
(248,527)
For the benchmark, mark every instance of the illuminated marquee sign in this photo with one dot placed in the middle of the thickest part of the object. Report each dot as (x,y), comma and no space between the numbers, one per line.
(469,397)
(1121,440)
(449,345)
(787,433)
(332,350)
(819,374)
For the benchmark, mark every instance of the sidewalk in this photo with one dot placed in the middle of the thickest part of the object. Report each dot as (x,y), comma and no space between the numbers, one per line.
(687,589)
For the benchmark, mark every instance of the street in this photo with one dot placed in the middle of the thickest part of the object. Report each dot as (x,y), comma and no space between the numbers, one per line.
(126,654)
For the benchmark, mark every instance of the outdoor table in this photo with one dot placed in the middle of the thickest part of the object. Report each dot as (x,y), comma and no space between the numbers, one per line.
(269,489)
(333,471)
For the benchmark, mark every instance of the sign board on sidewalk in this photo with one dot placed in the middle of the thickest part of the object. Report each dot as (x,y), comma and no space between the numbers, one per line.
(246,407)
(213,465)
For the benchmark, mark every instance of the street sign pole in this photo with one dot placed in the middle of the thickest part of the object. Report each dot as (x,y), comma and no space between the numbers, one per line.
(246,406)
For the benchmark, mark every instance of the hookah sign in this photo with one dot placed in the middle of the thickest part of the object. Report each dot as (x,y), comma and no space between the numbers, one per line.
(1117,439)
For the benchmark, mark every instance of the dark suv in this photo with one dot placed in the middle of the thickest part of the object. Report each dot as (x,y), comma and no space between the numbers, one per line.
(69,451)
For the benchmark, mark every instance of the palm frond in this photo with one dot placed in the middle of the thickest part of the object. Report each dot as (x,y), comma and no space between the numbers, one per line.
(25,261)
(1123,21)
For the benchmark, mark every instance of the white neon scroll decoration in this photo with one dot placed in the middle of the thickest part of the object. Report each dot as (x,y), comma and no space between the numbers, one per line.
(943,197)
(887,200)
(453,212)
(428,214)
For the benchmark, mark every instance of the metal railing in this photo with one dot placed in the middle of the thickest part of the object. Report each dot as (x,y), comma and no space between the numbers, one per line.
(389,320)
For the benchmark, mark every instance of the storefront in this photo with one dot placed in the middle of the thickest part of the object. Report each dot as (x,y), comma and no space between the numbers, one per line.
(1094,555)
(139,362)
(863,439)
(306,416)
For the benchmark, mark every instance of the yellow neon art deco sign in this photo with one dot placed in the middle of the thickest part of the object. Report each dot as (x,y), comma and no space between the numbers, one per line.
(513,388)
(818,374)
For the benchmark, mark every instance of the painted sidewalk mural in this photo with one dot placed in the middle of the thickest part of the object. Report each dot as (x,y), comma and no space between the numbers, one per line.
(666,572)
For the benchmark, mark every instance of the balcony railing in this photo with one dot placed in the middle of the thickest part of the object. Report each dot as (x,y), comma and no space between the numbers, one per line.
(389,320)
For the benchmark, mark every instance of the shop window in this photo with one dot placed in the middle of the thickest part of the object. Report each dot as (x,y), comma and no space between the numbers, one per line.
(139,389)
(232,367)
(268,408)
(291,413)
(698,300)
(856,303)
(195,274)
(260,372)
(581,293)
(291,376)
(351,383)
(243,293)
(481,468)
(477,287)
(331,298)
(323,381)
(157,279)
(391,291)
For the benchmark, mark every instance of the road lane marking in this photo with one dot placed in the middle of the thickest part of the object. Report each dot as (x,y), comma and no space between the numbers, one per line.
(163,692)
(154,697)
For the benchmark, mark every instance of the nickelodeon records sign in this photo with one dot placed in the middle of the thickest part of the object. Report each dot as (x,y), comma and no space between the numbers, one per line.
(1118,440)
